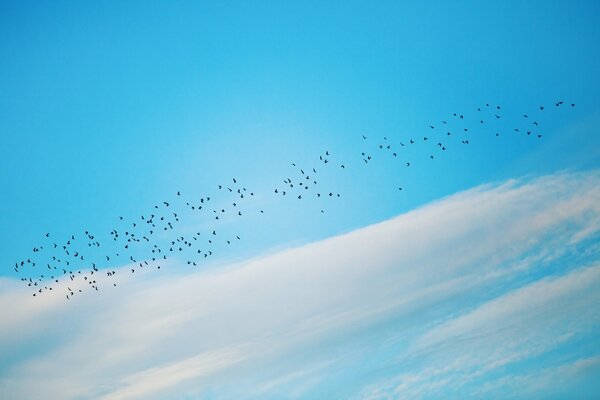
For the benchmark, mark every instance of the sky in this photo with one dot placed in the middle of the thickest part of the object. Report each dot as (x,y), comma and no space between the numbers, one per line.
(478,279)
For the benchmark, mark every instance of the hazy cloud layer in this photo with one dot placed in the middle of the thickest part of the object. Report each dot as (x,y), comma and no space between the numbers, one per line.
(436,302)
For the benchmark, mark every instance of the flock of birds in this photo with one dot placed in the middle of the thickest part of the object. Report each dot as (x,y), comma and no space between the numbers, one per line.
(149,240)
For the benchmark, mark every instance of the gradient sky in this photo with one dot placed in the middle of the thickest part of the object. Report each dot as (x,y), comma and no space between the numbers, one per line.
(107,109)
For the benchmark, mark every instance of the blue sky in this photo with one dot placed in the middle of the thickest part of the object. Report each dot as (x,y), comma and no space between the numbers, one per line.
(107,110)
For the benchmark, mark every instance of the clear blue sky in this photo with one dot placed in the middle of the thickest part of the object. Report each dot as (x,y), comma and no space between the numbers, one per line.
(108,108)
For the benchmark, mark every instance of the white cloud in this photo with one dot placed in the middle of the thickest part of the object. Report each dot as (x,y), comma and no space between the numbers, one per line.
(257,324)
(519,325)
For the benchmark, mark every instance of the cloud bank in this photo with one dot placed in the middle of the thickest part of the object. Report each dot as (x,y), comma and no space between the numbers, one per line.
(492,292)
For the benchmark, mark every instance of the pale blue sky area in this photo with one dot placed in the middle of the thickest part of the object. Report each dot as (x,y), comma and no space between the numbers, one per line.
(110,108)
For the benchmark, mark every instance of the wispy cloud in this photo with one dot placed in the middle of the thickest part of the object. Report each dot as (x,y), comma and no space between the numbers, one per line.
(428,302)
